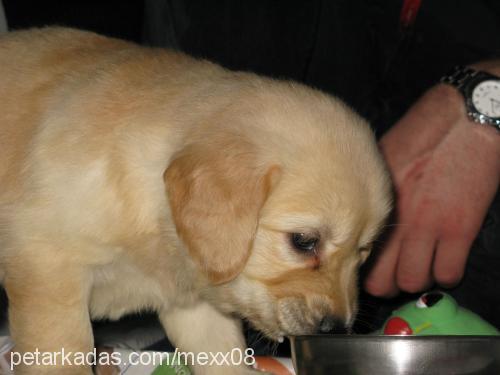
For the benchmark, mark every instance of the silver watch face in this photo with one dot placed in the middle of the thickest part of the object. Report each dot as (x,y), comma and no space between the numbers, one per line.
(486,98)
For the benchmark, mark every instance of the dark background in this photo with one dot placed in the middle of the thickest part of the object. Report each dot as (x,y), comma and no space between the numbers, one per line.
(355,49)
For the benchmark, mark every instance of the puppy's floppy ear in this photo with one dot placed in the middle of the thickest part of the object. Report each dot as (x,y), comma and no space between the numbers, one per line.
(216,191)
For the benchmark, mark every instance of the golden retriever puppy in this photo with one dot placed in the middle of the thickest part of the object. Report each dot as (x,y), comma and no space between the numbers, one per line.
(134,178)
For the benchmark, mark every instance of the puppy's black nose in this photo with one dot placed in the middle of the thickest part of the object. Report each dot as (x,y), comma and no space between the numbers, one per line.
(333,325)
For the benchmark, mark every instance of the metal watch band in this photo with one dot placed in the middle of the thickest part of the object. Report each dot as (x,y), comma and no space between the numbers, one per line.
(460,77)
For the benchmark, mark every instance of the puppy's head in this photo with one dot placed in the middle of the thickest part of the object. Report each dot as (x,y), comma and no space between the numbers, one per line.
(277,199)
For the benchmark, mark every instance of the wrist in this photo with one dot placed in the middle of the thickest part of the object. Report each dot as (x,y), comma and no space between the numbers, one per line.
(451,103)
(480,90)
(455,112)
(457,104)
(487,137)
(490,134)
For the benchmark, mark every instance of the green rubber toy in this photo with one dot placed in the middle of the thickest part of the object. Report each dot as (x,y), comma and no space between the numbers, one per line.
(436,313)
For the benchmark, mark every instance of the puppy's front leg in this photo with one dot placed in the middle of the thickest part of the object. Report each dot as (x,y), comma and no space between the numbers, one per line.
(203,329)
(48,315)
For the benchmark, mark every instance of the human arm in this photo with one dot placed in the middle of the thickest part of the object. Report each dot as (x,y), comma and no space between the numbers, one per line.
(446,172)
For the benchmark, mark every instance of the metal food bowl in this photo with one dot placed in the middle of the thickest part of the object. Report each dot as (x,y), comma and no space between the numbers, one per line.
(395,355)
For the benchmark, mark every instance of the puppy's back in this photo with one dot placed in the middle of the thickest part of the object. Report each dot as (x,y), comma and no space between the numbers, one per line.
(99,79)
(33,64)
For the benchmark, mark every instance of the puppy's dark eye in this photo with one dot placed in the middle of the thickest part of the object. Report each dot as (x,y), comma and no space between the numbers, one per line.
(304,243)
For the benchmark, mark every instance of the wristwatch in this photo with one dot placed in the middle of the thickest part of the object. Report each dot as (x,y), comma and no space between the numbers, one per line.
(481,91)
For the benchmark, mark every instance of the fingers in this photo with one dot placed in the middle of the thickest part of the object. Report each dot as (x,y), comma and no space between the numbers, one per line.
(455,242)
(381,281)
(414,267)
(412,261)
(406,262)
(403,265)
(451,258)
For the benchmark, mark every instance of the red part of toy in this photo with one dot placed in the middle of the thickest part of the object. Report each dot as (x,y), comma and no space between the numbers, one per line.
(397,326)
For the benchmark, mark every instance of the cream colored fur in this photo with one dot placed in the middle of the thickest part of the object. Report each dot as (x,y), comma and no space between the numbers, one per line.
(135,178)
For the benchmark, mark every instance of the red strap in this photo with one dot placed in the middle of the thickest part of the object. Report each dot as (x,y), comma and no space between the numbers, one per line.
(409,12)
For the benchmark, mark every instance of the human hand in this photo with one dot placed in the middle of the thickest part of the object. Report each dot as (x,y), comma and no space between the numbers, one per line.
(446,171)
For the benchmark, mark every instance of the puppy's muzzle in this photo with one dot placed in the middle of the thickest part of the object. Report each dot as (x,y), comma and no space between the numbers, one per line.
(331,324)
